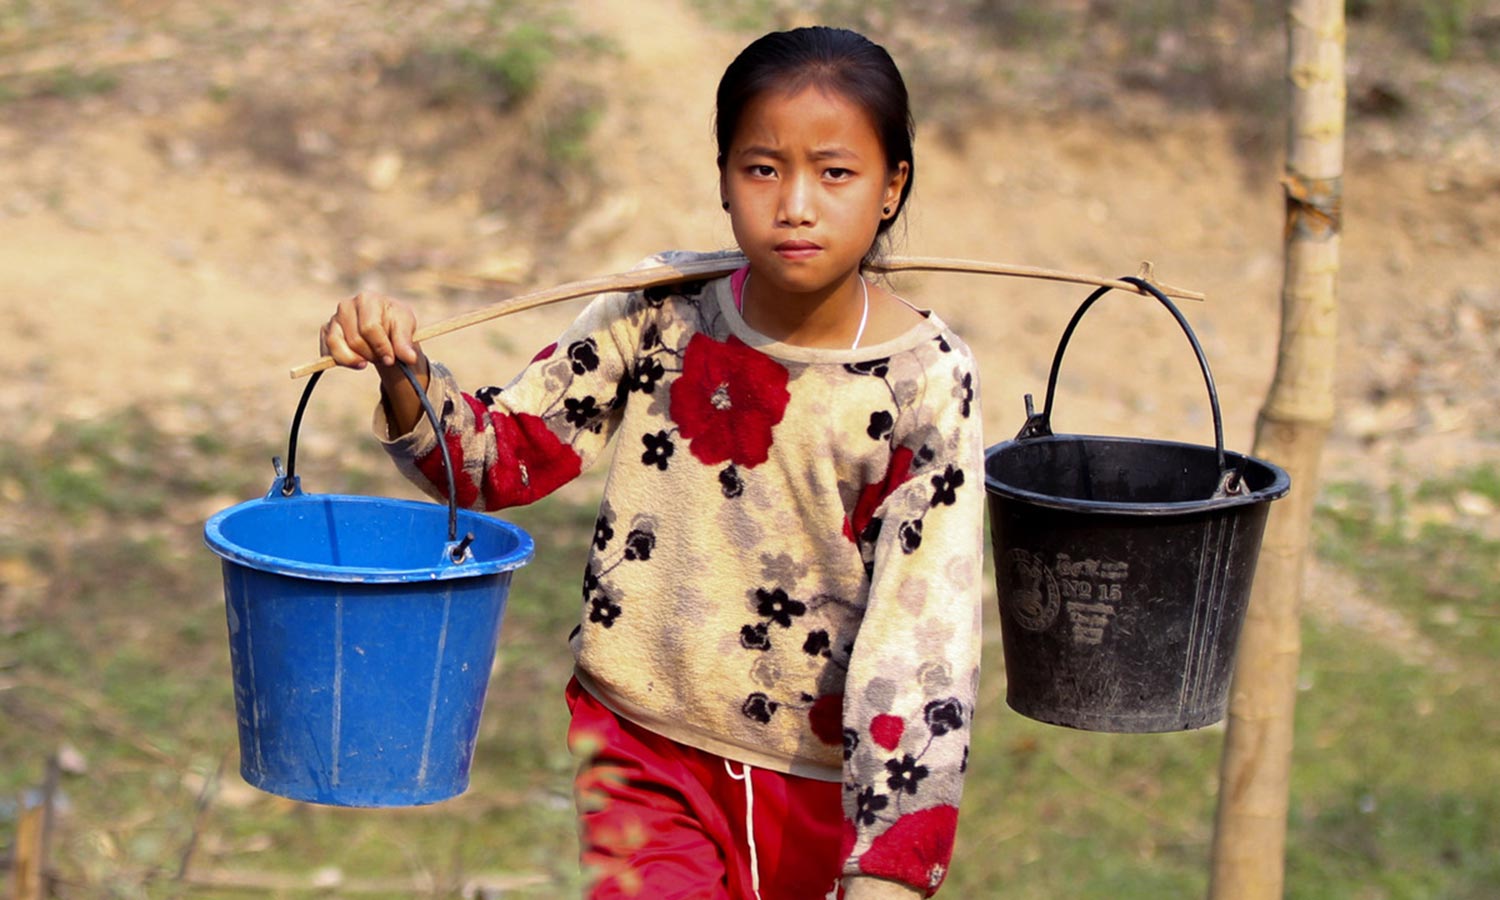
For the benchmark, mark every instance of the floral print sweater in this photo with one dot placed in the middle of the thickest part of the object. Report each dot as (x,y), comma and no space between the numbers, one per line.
(786,566)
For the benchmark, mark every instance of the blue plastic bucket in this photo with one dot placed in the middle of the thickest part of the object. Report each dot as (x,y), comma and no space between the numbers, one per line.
(360,643)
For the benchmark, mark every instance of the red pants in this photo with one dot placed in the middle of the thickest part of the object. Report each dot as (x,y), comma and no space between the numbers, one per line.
(662,821)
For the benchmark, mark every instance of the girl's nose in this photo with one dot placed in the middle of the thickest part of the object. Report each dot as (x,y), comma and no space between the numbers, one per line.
(797,207)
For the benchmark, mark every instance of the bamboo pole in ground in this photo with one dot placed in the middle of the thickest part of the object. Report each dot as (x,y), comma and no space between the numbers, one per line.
(1248,859)
(27,862)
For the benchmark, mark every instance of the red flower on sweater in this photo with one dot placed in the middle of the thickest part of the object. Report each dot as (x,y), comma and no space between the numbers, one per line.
(727,400)
(886,730)
(916,850)
(530,462)
(431,467)
(874,494)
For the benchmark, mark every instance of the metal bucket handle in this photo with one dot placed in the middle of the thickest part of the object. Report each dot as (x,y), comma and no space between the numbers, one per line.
(287,483)
(1040,424)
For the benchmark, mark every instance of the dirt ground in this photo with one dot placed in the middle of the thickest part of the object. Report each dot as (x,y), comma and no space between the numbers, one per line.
(175,241)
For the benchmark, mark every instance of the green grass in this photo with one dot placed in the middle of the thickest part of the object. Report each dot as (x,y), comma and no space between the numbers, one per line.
(122,654)
(61,83)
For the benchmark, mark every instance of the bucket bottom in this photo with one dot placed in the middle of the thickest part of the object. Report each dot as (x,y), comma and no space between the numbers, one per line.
(1122,623)
(360,694)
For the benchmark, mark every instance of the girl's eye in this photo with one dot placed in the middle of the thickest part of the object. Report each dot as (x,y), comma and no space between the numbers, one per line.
(762,171)
(837,174)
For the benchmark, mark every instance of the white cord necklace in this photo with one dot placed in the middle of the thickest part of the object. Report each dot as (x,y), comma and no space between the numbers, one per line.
(864,316)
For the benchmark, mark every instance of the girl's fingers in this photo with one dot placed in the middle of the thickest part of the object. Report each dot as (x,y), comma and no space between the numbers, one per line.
(370,328)
(403,327)
(374,328)
(334,344)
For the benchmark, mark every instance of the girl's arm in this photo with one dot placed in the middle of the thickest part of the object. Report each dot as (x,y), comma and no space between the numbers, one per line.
(514,444)
(914,671)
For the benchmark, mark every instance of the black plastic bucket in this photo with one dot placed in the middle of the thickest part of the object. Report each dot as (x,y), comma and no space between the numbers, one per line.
(1123,566)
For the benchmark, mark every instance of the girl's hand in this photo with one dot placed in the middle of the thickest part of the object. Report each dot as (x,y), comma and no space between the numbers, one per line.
(372,328)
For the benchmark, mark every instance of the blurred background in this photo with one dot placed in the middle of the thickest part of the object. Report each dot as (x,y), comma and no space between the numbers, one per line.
(187,189)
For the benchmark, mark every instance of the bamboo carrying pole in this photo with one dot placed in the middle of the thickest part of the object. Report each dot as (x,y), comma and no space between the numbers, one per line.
(718,266)
(1248,861)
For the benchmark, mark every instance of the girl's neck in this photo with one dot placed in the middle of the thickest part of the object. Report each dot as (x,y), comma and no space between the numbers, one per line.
(832,319)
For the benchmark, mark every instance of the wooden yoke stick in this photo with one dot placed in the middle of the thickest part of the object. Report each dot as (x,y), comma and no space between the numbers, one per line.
(718,266)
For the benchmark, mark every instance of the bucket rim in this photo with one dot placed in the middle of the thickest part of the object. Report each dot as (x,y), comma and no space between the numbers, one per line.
(1280,483)
(441,570)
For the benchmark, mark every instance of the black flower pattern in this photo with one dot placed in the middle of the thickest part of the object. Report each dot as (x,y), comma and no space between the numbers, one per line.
(906,774)
(487,395)
(646,375)
(882,423)
(760,708)
(638,544)
(817,644)
(755,637)
(945,486)
(778,607)
(878,368)
(590,582)
(659,448)
(730,482)
(604,611)
(584,355)
(603,532)
(943,716)
(868,805)
(851,743)
(581,411)
(964,391)
(943,345)
(911,536)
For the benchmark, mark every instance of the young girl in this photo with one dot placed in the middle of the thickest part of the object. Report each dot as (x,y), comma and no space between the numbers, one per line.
(778,652)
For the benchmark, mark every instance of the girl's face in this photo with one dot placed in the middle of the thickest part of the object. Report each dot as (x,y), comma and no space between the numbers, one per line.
(807,181)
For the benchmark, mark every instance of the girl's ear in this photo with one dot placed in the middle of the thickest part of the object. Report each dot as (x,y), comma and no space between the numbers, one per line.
(894,187)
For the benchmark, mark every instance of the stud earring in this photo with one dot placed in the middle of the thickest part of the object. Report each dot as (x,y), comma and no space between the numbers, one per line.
(725,204)
(886,210)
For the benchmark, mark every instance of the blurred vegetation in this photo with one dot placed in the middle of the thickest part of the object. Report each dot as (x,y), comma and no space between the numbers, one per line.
(1441,28)
(64,83)
(1219,54)
(504,53)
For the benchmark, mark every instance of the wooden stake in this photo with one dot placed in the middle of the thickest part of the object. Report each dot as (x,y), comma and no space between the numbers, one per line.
(33,841)
(27,862)
(1249,848)
(719,266)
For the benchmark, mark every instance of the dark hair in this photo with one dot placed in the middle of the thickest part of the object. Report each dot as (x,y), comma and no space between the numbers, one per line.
(835,59)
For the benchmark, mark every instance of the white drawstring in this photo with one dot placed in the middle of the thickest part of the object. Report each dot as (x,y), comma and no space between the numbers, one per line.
(749,824)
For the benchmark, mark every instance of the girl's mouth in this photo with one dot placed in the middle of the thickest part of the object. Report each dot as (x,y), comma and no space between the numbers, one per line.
(797,249)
